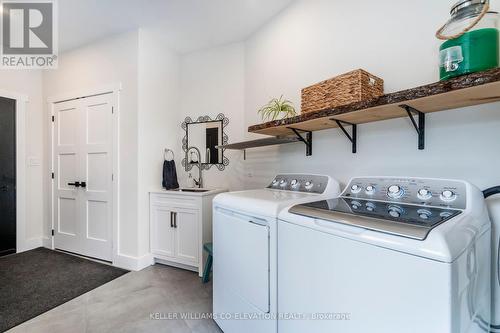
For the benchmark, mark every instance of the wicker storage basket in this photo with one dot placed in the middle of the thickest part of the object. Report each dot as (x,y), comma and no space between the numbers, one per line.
(355,86)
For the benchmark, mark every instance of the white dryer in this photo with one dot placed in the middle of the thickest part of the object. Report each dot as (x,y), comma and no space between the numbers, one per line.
(390,255)
(244,245)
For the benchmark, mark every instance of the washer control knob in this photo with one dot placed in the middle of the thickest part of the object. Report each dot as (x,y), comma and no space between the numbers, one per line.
(309,185)
(424,194)
(448,195)
(370,189)
(283,183)
(355,204)
(275,182)
(370,206)
(395,211)
(355,188)
(445,215)
(294,182)
(424,214)
(395,192)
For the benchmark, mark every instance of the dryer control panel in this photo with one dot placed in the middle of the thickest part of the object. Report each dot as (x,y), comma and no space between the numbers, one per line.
(300,183)
(417,191)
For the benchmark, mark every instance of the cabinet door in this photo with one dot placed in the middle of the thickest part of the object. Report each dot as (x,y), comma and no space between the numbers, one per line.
(162,231)
(187,244)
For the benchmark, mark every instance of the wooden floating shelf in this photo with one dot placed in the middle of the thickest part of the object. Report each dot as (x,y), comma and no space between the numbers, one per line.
(468,90)
(271,141)
(306,138)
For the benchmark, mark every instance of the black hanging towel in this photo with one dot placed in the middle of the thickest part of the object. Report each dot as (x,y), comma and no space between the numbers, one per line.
(169,175)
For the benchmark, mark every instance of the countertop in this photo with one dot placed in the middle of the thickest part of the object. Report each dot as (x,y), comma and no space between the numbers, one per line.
(192,194)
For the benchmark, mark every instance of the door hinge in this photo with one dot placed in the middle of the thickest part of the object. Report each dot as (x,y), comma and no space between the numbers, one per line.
(53,176)
(53,118)
(52,232)
(112,177)
(112,109)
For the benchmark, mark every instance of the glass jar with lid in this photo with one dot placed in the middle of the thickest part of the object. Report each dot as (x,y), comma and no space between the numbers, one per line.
(471,39)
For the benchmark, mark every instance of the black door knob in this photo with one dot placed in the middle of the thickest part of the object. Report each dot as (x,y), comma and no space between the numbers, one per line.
(83,184)
(75,184)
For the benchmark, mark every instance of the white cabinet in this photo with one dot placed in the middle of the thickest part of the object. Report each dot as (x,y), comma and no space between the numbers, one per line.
(162,230)
(180,223)
(186,237)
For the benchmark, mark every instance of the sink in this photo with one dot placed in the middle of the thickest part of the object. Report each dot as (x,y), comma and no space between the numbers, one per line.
(196,190)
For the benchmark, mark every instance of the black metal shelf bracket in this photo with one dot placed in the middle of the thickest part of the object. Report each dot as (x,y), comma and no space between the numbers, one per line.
(307,139)
(354,137)
(420,126)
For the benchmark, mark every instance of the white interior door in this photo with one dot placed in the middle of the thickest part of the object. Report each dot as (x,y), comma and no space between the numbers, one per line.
(66,165)
(83,168)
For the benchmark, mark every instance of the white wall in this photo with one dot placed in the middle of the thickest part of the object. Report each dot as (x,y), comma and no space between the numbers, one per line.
(212,82)
(110,61)
(317,39)
(159,118)
(29,83)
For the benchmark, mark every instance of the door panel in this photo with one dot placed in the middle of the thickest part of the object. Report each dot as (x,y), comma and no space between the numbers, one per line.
(96,220)
(186,243)
(66,170)
(97,181)
(7,176)
(68,216)
(83,153)
(241,252)
(67,123)
(67,165)
(98,122)
(162,231)
(97,169)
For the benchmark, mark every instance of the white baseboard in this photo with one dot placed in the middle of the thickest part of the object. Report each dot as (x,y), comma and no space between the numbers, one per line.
(178,265)
(133,263)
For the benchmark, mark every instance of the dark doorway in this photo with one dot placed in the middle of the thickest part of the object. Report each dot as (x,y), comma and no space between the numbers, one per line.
(7,176)
(212,143)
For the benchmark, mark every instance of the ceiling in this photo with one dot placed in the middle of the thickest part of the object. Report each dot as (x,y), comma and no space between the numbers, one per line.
(189,24)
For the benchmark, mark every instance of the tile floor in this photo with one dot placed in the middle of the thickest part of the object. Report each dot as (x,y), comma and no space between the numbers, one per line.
(127,303)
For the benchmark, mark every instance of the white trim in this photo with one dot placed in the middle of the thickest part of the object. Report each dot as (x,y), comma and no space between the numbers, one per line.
(116,174)
(91,91)
(107,89)
(133,263)
(22,243)
(178,265)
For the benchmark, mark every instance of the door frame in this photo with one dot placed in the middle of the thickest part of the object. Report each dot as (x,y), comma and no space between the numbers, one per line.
(22,243)
(115,90)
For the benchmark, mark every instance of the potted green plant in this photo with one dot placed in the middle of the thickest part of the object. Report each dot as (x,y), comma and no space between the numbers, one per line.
(277,108)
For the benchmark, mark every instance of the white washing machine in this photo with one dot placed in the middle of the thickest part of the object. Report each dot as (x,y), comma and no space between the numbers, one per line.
(244,245)
(390,255)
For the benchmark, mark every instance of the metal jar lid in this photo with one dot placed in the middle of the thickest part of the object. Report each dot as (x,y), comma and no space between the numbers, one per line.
(466,3)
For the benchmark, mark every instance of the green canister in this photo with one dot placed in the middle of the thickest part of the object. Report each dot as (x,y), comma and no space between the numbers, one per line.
(471,39)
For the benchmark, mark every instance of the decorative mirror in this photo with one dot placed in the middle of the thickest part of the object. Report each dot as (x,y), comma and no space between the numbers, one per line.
(206,134)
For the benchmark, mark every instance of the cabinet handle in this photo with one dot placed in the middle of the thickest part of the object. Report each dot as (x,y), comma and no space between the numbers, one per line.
(175,219)
(171,219)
